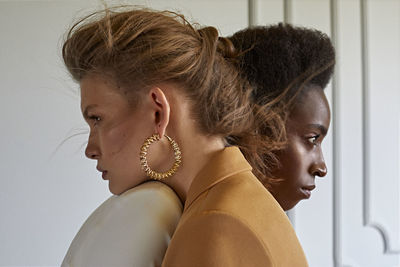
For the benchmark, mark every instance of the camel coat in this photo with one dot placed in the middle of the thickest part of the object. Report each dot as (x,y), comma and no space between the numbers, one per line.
(230,219)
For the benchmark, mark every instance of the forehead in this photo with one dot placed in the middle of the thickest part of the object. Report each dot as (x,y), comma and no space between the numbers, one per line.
(100,90)
(93,84)
(311,106)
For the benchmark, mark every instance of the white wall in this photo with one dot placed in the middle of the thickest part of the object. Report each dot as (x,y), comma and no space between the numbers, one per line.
(48,190)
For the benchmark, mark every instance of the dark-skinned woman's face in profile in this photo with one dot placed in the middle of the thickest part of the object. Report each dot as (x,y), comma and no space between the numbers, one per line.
(302,159)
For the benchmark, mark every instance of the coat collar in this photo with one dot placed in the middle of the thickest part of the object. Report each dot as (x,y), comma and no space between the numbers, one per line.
(224,164)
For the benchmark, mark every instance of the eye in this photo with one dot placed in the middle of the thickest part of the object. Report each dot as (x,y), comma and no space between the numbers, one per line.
(313,139)
(94,118)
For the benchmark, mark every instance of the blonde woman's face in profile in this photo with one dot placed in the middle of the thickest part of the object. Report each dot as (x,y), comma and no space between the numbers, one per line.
(302,160)
(117,131)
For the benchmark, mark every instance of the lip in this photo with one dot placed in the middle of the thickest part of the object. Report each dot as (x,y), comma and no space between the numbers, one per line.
(104,175)
(104,172)
(306,191)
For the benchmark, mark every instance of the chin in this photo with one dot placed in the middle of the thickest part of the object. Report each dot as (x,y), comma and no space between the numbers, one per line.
(288,205)
(285,203)
(115,191)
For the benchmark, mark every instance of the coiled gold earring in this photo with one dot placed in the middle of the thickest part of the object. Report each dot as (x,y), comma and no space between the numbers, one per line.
(143,158)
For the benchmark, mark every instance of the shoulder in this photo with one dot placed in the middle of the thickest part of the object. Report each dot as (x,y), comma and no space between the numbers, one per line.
(149,205)
(232,216)
(131,229)
(242,195)
(217,239)
(154,198)
(249,202)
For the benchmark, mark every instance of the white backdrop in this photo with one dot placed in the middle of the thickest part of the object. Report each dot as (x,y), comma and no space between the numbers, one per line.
(49,188)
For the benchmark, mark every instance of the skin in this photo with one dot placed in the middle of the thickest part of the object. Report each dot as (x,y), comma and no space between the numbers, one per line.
(302,160)
(114,137)
(118,130)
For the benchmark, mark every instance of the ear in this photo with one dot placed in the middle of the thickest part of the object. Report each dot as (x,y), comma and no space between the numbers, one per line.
(162,110)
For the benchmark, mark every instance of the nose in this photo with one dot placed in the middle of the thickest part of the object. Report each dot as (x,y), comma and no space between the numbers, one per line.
(319,168)
(92,150)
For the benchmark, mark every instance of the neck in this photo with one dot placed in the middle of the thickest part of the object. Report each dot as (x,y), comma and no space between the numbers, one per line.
(196,153)
(196,148)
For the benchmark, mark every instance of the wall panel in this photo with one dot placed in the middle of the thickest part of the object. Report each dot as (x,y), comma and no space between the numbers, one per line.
(382,168)
(361,243)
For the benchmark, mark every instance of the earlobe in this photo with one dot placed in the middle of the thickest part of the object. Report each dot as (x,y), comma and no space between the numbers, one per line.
(162,110)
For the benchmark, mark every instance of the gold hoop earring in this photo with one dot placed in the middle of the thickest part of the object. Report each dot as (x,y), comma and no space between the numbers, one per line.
(143,158)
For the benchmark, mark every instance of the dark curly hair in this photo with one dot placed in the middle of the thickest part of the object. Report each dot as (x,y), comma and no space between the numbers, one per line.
(280,61)
(278,56)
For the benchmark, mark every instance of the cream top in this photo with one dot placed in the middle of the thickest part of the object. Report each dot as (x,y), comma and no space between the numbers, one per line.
(133,229)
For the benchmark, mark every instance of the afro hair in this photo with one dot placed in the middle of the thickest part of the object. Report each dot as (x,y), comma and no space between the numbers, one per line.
(273,57)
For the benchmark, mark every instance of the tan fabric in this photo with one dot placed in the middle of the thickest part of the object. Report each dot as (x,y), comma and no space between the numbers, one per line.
(230,219)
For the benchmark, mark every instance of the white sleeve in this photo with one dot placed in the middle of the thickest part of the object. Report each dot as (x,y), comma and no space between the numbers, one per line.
(133,229)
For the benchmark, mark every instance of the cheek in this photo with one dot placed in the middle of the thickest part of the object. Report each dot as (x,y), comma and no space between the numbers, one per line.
(289,159)
(292,162)
(119,141)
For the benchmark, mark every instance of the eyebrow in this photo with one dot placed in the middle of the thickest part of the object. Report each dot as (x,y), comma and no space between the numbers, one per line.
(86,111)
(320,127)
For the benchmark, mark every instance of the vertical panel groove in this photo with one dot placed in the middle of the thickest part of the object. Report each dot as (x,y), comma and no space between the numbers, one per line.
(365,117)
(337,241)
(336,146)
(252,9)
(287,11)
